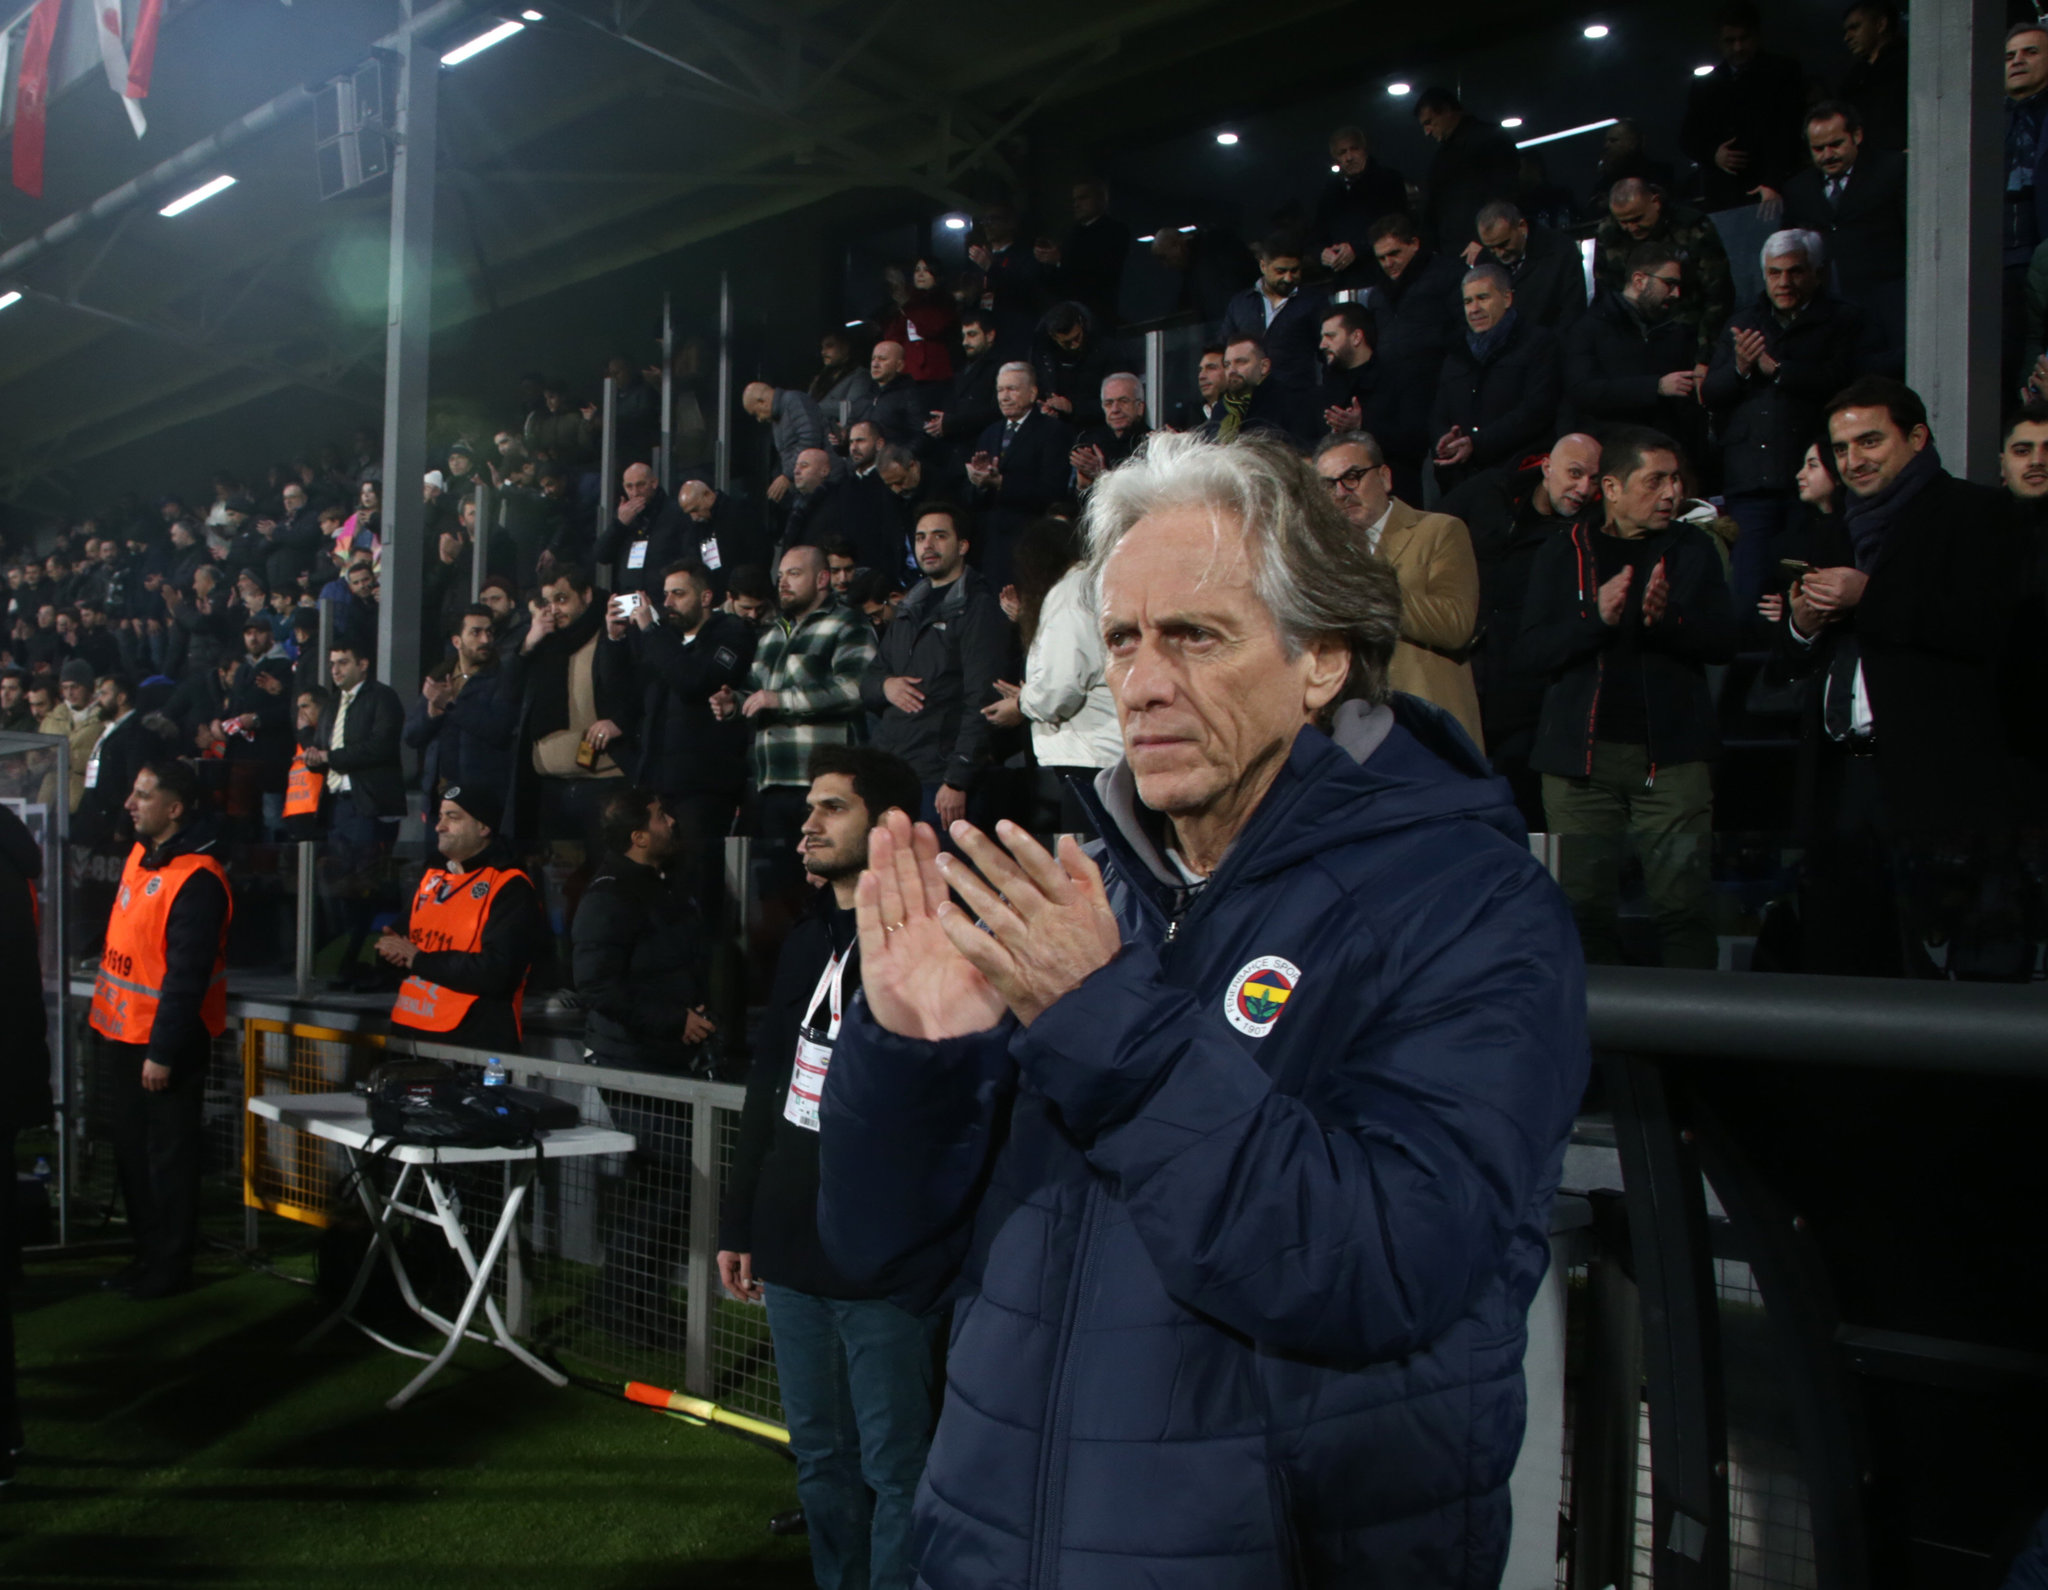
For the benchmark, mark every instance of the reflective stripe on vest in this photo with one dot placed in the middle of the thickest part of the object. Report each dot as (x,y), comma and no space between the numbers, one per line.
(130,984)
(302,786)
(449,911)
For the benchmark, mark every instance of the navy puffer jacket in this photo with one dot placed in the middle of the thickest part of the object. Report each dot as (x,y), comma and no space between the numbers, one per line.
(1244,1229)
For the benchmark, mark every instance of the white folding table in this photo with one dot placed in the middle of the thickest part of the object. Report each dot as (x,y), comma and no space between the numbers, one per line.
(344,1118)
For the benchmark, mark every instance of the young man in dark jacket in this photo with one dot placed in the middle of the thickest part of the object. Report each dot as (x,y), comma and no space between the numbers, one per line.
(641,955)
(470,933)
(1236,1143)
(462,724)
(936,666)
(1629,359)
(1624,615)
(855,1368)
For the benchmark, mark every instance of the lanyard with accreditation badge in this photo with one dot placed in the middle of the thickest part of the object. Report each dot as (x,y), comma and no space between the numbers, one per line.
(807,1077)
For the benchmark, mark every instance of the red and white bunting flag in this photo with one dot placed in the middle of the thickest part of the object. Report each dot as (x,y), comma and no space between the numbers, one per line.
(32,98)
(143,57)
(114,57)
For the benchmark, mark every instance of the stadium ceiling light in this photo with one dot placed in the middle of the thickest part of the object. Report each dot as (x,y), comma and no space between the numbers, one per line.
(1703,71)
(1334,168)
(955,223)
(1227,139)
(531,16)
(198,195)
(1597,31)
(1511,121)
(1398,89)
(8,300)
(1145,239)
(851,324)
(1569,132)
(482,42)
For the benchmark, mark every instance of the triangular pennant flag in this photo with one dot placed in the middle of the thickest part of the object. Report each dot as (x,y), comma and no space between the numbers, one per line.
(114,57)
(32,98)
(142,58)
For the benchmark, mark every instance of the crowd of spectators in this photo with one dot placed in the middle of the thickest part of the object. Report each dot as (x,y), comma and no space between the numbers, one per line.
(1596,503)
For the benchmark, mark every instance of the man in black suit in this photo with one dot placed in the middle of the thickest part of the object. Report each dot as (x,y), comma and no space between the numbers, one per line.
(817,508)
(356,747)
(1855,198)
(1496,400)
(1416,302)
(1020,469)
(1900,622)
(1088,263)
(1359,192)
(1544,266)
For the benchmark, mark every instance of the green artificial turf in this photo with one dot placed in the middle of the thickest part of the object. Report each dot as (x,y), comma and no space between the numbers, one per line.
(186,1443)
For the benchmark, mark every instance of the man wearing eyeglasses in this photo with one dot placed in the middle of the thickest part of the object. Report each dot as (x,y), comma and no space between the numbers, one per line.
(1629,360)
(1431,554)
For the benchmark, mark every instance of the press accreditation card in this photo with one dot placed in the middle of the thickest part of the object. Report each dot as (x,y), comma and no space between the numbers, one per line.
(814,1050)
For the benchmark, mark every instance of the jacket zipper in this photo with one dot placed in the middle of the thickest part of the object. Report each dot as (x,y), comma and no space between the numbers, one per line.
(1052,1468)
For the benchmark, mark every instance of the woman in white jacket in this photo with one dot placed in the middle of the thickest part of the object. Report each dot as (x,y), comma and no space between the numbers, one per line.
(1064,696)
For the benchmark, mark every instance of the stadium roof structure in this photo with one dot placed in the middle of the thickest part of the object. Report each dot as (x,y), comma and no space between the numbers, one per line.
(606,132)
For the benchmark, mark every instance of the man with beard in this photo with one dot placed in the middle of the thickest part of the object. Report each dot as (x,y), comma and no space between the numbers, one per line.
(2024,677)
(686,652)
(1544,266)
(1511,519)
(1209,371)
(573,699)
(855,1367)
(937,666)
(802,691)
(971,405)
(462,725)
(1255,403)
(1629,359)
(470,933)
(1362,392)
(1281,314)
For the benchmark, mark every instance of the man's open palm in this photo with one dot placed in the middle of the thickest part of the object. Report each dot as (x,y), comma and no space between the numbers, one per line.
(917,984)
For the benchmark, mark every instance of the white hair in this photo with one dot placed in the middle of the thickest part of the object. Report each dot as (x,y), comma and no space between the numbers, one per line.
(1137,382)
(1309,567)
(1795,240)
(1017,364)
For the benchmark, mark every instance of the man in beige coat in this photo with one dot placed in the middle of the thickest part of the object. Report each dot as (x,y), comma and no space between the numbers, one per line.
(1432,555)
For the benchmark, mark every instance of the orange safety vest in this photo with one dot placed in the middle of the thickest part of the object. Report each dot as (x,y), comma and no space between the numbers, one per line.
(131,978)
(302,787)
(449,913)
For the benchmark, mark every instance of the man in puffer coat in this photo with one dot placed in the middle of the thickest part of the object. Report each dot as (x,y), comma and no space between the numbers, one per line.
(1236,1141)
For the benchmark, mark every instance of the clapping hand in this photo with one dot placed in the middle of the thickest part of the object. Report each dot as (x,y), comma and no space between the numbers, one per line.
(918,984)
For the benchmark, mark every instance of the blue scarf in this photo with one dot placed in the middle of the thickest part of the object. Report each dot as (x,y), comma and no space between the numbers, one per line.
(1485,344)
(1869,519)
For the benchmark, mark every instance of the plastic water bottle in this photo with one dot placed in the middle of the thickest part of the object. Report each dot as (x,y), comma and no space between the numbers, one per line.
(495,1075)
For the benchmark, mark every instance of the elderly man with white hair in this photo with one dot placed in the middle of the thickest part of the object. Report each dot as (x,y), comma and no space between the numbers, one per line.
(1234,1135)
(1775,365)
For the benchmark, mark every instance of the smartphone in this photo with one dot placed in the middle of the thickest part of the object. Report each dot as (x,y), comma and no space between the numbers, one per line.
(623,605)
(1795,566)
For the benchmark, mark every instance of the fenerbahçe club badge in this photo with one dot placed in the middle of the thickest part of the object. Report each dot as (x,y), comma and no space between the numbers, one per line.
(1259,993)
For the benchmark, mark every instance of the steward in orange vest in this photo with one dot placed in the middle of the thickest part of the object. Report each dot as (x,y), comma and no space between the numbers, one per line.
(159,1002)
(470,935)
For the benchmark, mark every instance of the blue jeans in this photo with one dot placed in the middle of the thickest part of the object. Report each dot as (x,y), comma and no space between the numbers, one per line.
(857,1393)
